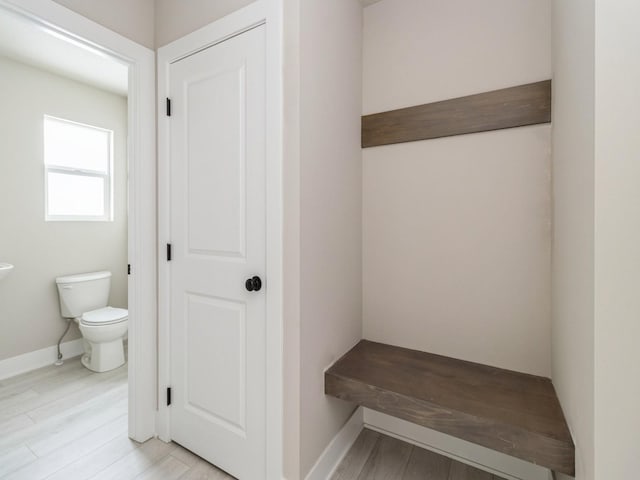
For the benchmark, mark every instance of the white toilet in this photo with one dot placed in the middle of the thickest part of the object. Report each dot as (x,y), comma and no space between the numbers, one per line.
(84,298)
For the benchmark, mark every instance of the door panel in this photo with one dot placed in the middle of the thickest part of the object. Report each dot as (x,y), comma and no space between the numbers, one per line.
(217,189)
(216,329)
(218,236)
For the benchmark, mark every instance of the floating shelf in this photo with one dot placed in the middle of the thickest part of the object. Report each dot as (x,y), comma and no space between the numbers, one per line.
(507,108)
(513,413)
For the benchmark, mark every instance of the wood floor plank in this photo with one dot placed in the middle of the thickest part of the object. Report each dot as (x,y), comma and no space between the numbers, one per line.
(387,461)
(357,457)
(15,459)
(426,465)
(13,405)
(93,463)
(76,445)
(170,468)
(203,470)
(65,396)
(76,426)
(185,456)
(199,469)
(79,393)
(13,426)
(36,376)
(460,471)
(66,454)
(136,462)
(387,456)
(74,373)
(9,393)
(35,431)
(45,380)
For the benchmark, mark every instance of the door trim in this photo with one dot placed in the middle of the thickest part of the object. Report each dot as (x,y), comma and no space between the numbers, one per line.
(141,151)
(267,12)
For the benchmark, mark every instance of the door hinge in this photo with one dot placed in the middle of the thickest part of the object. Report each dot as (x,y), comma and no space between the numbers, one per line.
(168,252)
(168,396)
(168,107)
(129,269)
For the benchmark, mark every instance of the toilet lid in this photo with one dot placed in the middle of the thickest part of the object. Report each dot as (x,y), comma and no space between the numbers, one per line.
(104,316)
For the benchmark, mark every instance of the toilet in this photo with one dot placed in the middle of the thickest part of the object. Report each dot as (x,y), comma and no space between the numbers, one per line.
(84,298)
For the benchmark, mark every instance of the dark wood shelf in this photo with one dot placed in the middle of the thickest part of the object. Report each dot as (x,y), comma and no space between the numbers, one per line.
(497,110)
(510,412)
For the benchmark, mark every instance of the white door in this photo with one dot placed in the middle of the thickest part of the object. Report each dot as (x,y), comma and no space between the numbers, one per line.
(217,171)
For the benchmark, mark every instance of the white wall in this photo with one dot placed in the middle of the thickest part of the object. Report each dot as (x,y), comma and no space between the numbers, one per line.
(29,307)
(596,314)
(456,256)
(291,242)
(132,19)
(154,23)
(330,210)
(421,51)
(176,18)
(573,215)
(617,240)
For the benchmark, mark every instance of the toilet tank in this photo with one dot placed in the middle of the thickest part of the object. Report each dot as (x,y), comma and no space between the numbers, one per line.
(83,292)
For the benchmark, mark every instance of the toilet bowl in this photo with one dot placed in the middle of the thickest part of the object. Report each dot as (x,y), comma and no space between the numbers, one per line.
(84,298)
(103,331)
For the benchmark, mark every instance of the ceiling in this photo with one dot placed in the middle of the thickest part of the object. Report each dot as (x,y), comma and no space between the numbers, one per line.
(29,43)
(369,2)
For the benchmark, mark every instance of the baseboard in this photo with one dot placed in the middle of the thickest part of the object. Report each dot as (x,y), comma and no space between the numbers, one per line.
(26,362)
(497,463)
(338,448)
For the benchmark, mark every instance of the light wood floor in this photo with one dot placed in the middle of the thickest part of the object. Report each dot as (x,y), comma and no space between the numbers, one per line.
(67,423)
(378,457)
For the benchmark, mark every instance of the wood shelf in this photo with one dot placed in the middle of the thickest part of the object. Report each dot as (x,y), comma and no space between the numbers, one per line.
(507,108)
(513,413)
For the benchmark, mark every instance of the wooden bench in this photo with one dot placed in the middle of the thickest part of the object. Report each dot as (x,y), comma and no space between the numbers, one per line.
(510,412)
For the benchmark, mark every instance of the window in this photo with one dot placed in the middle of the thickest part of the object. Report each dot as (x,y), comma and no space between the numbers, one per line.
(78,162)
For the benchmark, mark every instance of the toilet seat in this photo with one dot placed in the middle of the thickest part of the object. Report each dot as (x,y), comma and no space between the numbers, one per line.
(104,316)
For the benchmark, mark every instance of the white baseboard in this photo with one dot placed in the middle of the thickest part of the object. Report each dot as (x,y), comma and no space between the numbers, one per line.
(483,458)
(338,448)
(26,362)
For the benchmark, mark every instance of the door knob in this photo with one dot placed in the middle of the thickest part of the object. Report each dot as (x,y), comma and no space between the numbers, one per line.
(253,284)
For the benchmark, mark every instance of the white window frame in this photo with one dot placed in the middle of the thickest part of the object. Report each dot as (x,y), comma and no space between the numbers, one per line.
(107,177)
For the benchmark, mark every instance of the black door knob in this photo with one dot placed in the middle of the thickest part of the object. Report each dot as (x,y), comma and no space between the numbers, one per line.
(253,284)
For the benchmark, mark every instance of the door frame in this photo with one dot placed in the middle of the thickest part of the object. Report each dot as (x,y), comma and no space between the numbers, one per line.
(141,150)
(269,13)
